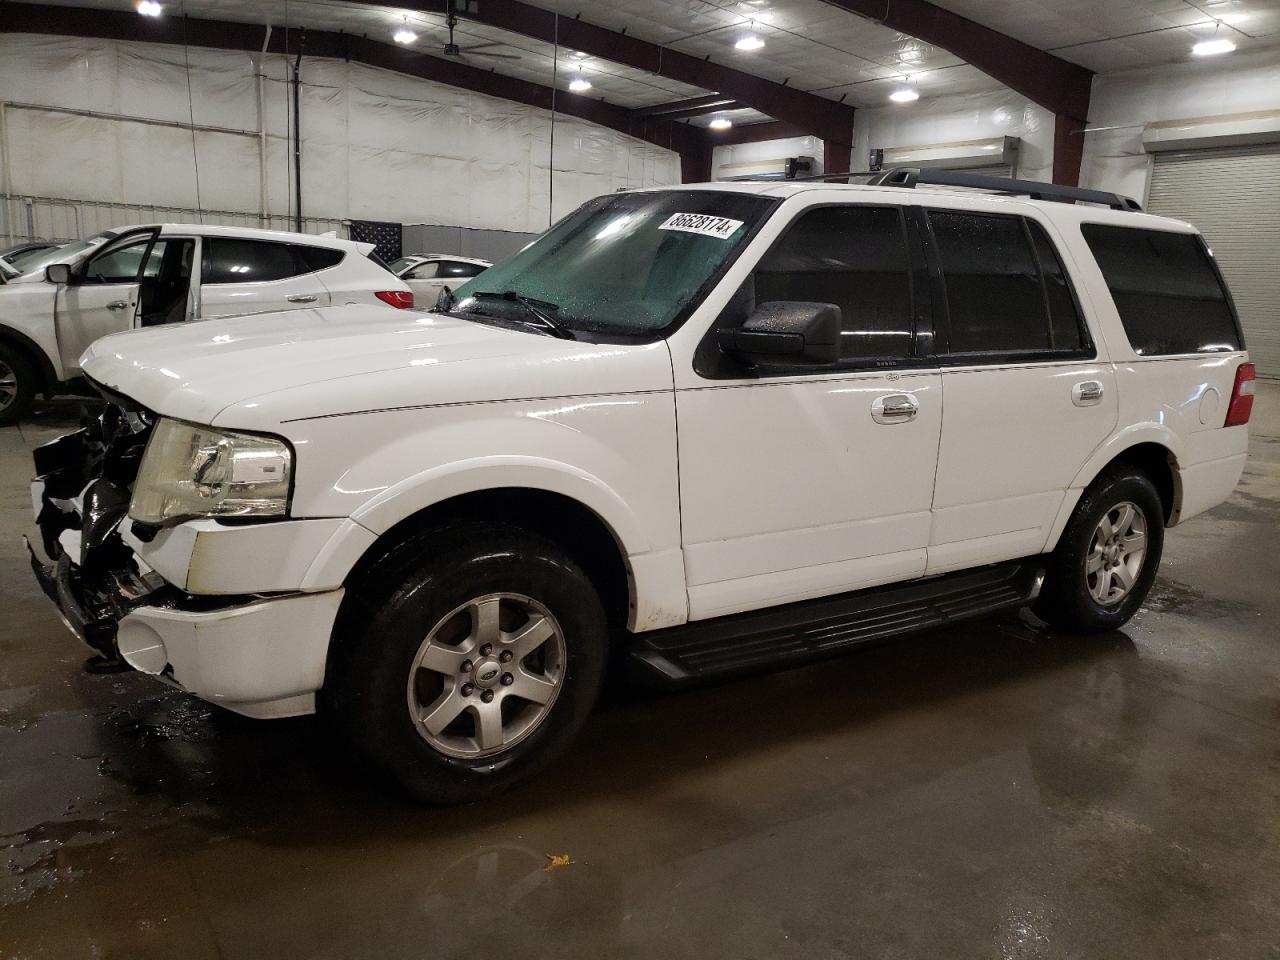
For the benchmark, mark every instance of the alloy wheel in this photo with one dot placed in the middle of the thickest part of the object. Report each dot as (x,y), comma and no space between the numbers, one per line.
(1116,553)
(487,675)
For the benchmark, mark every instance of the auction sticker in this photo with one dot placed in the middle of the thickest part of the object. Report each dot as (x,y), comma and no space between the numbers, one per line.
(721,228)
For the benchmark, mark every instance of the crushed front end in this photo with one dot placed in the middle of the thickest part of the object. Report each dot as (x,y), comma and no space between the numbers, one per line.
(223,610)
(81,494)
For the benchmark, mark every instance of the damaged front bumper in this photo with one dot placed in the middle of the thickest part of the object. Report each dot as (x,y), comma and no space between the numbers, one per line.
(259,653)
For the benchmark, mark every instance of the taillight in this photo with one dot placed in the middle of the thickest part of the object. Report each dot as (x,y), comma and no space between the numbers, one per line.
(400,299)
(1241,404)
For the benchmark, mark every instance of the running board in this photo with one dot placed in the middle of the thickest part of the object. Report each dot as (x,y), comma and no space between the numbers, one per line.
(801,632)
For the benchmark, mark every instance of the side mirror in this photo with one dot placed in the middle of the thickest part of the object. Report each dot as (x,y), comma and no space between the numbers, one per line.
(783,330)
(58,273)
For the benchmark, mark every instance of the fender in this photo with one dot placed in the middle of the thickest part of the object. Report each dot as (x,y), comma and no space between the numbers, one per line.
(422,490)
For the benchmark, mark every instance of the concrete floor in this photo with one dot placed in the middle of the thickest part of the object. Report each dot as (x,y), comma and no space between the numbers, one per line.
(991,791)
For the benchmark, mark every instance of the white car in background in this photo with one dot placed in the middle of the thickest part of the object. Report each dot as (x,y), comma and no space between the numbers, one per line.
(143,276)
(428,274)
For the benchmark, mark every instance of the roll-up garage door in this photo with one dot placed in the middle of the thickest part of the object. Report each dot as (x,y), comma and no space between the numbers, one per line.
(1233,197)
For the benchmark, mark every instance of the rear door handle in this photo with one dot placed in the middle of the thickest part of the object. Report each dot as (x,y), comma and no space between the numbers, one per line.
(302,298)
(117,304)
(1087,393)
(894,408)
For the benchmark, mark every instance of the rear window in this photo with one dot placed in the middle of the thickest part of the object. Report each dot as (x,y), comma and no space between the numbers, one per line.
(1166,289)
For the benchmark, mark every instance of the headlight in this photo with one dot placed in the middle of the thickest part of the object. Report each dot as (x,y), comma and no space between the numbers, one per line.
(190,471)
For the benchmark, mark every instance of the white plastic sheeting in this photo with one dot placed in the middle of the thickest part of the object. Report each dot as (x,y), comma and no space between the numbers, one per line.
(376,144)
(1114,159)
(734,159)
(969,117)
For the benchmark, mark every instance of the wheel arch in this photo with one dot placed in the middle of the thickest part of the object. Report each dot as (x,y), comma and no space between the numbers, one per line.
(569,523)
(1153,450)
(40,362)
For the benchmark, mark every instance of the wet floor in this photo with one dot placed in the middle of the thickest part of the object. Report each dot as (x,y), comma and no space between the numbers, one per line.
(990,791)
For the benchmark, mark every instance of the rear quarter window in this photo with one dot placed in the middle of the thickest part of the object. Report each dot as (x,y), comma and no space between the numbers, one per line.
(1166,288)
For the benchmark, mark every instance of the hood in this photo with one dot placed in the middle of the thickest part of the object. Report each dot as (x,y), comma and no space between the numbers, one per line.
(265,369)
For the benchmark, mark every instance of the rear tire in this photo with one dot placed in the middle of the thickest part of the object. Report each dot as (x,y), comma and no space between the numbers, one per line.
(467,660)
(17,385)
(1107,557)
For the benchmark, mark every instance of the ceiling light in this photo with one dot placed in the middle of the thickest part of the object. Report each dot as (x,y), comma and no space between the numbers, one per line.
(579,84)
(149,8)
(721,123)
(1210,48)
(749,41)
(904,95)
(404,35)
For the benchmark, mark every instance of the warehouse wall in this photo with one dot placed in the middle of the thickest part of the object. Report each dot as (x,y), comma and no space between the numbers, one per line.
(727,160)
(1114,159)
(968,117)
(376,144)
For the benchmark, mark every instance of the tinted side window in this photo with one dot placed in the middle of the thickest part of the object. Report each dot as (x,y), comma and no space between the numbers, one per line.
(455,268)
(994,298)
(318,258)
(249,261)
(856,258)
(1064,315)
(1165,288)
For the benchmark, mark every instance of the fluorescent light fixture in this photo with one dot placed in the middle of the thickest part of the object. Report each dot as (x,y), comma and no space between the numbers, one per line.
(904,95)
(579,84)
(749,41)
(404,35)
(721,123)
(1211,48)
(149,8)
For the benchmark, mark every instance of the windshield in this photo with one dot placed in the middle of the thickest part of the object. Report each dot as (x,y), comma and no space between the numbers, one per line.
(630,263)
(399,266)
(64,254)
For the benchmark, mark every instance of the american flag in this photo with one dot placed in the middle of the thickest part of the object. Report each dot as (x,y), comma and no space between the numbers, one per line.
(387,236)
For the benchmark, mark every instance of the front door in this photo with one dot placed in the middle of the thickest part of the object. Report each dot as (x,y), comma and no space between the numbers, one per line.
(426,282)
(1028,398)
(102,299)
(803,482)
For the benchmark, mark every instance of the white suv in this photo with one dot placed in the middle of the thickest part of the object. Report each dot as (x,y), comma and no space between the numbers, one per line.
(428,275)
(713,428)
(128,277)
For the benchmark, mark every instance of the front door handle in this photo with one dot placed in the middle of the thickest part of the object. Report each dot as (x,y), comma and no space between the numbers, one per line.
(302,298)
(1088,393)
(895,408)
(117,304)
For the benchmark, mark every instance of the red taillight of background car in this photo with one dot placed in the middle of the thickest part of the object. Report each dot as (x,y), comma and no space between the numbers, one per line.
(1241,404)
(400,299)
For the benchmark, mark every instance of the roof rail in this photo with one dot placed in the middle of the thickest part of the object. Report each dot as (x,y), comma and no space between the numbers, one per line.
(1035,189)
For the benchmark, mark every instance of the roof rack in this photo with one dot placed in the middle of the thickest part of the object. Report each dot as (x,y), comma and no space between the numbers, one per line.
(1035,189)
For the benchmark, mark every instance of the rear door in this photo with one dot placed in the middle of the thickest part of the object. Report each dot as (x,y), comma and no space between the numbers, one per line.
(102,299)
(454,273)
(242,276)
(1027,399)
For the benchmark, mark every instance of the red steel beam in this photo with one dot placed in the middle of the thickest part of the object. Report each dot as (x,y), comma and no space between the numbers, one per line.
(1058,85)
(817,115)
(117,25)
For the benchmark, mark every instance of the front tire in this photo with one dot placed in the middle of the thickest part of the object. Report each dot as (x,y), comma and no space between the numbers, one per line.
(1107,557)
(17,385)
(467,660)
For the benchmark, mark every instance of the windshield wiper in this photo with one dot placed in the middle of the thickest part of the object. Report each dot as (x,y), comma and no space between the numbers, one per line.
(548,322)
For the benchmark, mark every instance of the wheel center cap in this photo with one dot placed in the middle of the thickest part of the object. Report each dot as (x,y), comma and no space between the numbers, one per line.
(487,672)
